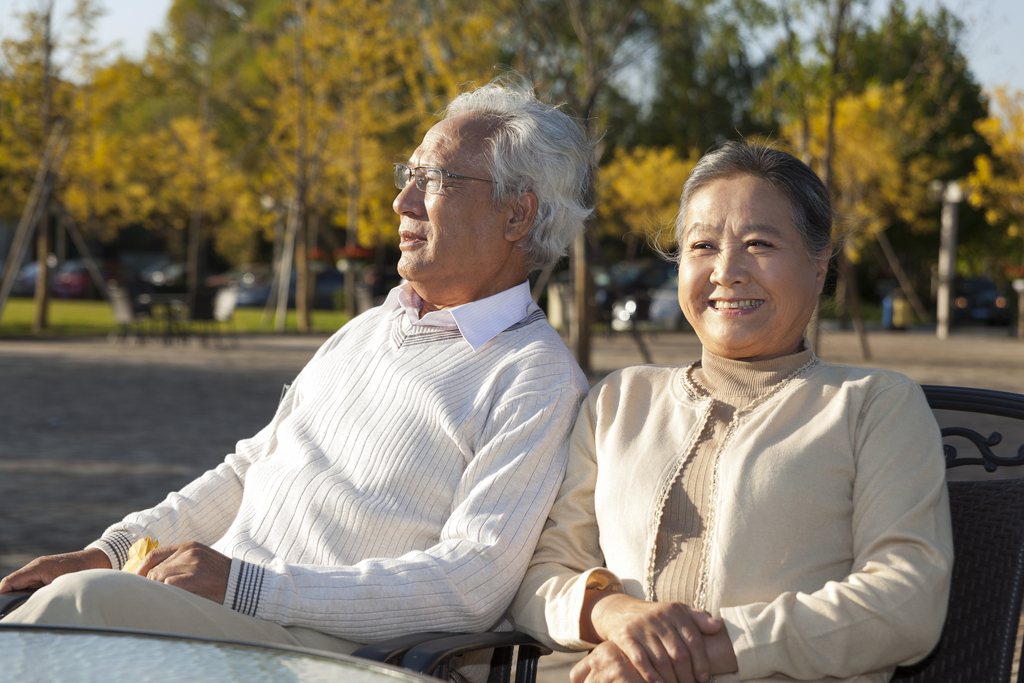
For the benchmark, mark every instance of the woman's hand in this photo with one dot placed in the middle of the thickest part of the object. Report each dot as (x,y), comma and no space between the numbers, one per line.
(665,642)
(605,664)
(43,570)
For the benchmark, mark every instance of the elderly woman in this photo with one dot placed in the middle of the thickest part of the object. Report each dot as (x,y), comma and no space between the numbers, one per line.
(758,514)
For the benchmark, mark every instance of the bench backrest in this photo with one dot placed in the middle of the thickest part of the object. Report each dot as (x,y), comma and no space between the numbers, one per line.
(979,641)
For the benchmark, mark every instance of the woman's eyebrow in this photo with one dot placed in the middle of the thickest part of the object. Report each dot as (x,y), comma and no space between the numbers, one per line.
(697,230)
(767,228)
(703,230)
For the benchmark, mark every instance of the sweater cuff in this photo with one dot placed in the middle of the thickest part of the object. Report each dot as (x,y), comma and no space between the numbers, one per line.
(742,644)
(598,579)
(116,546)
(245,583)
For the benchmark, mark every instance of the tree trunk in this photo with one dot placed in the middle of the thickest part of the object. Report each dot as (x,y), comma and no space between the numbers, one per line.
(846,269)
(275,261)
(352,233)
(195,230)
(40,320)
(301,255)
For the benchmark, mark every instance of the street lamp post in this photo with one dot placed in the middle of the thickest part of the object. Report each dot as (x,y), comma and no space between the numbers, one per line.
(952,195)
(1018,286)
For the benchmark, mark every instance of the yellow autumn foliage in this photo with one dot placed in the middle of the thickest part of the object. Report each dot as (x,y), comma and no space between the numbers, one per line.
(877,176)
(639,192)
(997,183)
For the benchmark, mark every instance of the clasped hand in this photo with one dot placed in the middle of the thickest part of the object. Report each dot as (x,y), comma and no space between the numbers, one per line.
(652,642)
(191,566)
(194,567)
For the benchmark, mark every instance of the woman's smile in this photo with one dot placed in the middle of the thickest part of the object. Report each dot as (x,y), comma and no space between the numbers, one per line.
(747,283)
(736,307)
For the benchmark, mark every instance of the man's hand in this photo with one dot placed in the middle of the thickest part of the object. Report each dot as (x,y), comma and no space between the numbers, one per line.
(665,642)
(43,570)
(194,567)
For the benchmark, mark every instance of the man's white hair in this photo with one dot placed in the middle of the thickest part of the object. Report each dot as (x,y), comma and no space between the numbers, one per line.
(535,147)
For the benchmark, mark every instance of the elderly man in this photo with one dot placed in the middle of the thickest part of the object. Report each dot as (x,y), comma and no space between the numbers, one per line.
(404,481)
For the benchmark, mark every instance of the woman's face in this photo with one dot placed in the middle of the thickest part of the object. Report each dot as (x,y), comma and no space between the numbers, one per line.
(746,281)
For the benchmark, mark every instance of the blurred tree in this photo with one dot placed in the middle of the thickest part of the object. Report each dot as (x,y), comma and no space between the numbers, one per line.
(442,45)
(574,47)
(906,78)
(33,97)
(204,42)
(808,80)
(693,82)
(879,183)
(996,186)
(332,97)
(639,195)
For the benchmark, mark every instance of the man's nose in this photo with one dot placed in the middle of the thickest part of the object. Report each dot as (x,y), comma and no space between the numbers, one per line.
(409,202)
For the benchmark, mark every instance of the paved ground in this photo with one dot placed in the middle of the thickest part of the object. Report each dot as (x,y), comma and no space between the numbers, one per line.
(91,430)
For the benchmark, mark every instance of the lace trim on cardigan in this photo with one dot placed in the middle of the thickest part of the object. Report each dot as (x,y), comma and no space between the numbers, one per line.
(666,488)
(693,389)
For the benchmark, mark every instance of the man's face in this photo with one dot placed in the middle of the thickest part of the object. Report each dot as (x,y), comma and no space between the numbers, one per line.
(455,244)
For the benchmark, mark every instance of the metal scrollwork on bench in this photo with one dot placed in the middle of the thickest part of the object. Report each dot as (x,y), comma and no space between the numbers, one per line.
(990,460)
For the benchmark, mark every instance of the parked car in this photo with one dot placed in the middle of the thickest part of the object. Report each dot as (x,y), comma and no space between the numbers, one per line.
(25,281)
(628,280)
(72,280)
(659,309)
(329,284)
(978,300)
(664,310)
(163,273)
(245,276)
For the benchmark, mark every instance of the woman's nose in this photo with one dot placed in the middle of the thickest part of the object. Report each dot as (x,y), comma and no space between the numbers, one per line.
(409,202)
(729,269)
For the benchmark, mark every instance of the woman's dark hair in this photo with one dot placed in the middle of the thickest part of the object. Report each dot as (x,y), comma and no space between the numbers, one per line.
(810,200)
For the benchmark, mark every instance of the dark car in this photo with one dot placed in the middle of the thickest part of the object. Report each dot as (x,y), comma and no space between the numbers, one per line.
(246,276)
(72,279)
(979,301)
(25,280)
(163,273)
(327,288)
(662,311)
(631,287)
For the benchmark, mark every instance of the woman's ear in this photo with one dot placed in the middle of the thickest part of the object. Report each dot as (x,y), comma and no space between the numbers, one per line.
(823,260)
(522,212)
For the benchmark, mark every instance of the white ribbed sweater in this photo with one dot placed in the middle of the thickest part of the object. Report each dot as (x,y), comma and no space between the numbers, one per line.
(401,486)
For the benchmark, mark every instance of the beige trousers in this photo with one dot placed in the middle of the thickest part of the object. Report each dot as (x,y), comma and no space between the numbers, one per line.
(107,598)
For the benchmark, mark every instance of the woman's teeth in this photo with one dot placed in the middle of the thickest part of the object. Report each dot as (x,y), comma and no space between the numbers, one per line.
(746,303)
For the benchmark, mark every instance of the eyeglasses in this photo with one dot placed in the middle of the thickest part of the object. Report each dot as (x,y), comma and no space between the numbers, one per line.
(427,178)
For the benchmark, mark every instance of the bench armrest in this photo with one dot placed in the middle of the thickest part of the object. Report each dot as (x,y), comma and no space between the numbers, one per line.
(9,601)
(389,651)
(433,656)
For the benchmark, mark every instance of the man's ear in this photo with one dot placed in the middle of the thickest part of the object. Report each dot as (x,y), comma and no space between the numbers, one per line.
(522,211)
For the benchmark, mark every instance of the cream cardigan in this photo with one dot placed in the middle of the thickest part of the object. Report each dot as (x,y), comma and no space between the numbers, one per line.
(828,549)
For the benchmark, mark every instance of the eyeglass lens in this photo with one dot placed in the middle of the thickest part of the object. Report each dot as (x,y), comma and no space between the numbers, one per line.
(426,179)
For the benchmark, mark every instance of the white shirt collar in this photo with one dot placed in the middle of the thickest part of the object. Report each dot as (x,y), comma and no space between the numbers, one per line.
(478,321)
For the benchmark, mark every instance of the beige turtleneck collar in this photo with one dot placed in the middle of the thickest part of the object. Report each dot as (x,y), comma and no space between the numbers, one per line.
(724,378)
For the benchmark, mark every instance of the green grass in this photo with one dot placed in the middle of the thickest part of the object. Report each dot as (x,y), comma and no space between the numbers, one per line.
(872,312)
(74,318)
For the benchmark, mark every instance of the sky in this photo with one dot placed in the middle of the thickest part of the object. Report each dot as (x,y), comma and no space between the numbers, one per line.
(993,42)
